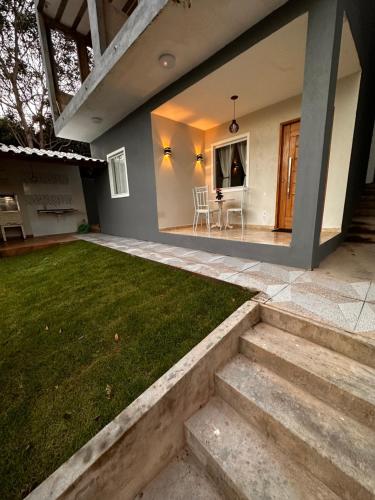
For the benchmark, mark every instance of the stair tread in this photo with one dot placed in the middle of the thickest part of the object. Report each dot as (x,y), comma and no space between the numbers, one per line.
(178,480)
(344,442)
(256,467)
(347,374)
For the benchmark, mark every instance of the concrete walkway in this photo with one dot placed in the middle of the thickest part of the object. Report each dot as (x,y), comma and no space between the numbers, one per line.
(345,300)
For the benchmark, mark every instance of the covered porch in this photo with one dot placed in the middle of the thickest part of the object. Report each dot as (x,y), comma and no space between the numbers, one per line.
(283,181)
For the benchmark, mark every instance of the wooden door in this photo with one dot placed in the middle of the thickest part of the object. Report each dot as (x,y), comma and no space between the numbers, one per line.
(289,147)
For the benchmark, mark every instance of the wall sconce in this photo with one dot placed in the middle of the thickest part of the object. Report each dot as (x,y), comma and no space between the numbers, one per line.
(200,157)
(167,151)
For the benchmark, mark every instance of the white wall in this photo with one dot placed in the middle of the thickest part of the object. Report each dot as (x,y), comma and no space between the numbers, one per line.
(341,146)
(370,177)
(176,176)
(264,129)
(56,186)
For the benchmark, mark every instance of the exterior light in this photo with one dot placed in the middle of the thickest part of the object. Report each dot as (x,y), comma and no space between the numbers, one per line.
(96,119)
(234,127)
(167,61)
(167,151)
(200,157)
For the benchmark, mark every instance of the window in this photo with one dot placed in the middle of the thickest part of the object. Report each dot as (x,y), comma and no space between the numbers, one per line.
(118,175)
(230,164)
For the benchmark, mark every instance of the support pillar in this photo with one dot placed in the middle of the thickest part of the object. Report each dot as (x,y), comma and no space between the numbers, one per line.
(49,65)
(97,27)
(321,65)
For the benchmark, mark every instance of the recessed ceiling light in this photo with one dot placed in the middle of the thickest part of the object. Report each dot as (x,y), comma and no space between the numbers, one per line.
(167,61)
(96,119)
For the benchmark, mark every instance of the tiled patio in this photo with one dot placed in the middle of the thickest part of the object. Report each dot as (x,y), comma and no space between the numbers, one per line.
(248,234)
(345,302)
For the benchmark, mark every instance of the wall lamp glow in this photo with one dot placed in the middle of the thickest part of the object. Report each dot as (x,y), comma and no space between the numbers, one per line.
(167,151)
(200,157)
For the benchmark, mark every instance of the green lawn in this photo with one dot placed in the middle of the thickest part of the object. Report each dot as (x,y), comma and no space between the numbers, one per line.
(63,376)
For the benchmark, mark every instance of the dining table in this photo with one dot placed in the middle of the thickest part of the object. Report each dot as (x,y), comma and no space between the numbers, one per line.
(220,204)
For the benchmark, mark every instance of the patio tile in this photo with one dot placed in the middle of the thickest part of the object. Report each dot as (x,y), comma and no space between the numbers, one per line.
(140,252)
(212,271)
(154,247)
(172,261)
(366,321)
(355,290)
(235,263)
(324,305)
(258,281)
(371,293)
(202,257)
(177,251)
(279,273)
(127,242)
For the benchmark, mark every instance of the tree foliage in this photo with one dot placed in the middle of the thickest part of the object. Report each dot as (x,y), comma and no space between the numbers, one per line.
(23,89)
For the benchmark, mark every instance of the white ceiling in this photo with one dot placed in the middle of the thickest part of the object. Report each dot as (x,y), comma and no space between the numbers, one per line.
(69,14)
(269,72)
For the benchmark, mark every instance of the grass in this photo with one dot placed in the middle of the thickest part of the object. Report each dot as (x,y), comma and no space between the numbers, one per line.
(62,374)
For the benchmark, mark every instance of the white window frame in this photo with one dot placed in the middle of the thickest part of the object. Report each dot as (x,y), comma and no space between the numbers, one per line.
(227,142)
(110,172)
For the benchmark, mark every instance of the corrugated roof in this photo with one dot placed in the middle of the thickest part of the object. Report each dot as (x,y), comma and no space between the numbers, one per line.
(46,153)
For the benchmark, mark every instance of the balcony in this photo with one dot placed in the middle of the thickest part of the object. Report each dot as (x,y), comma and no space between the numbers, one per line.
(118,46)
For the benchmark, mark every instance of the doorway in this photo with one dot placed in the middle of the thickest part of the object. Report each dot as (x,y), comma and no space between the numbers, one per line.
(288,166)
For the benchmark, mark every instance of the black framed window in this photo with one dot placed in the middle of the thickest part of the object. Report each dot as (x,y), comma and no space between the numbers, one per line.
(230,164)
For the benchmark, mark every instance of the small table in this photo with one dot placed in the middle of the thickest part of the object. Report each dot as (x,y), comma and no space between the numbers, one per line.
(220,213)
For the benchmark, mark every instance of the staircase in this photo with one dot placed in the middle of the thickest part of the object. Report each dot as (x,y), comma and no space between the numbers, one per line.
(362,229)
(292,417)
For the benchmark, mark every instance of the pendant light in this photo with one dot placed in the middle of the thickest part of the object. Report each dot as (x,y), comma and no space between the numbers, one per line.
(234,127)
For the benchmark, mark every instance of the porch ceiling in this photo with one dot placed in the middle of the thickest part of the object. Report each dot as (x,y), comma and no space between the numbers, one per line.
(269,72)
(69,13)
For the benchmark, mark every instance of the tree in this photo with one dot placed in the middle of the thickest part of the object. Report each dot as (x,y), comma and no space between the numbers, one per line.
(23,88)
(7,131)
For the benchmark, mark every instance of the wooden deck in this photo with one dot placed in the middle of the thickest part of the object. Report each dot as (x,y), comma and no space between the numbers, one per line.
(19,246)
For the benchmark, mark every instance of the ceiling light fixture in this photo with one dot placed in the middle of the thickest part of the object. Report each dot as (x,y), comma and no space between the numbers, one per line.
(167,61)
(234,127)
(96,119)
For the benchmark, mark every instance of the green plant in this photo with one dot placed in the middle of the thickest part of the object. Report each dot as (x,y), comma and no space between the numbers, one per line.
(83,228)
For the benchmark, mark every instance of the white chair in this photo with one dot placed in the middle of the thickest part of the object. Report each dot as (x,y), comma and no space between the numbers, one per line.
(202,206)
(238,210)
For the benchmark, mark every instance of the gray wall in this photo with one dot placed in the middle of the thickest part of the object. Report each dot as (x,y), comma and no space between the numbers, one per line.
(361,15)
(136,216)
(89,193)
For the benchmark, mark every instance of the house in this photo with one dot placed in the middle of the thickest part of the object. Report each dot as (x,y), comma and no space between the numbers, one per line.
(157,85)
(41,191)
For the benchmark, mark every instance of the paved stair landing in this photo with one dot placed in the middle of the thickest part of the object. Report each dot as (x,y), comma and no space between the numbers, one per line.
(292,418)
(362,229)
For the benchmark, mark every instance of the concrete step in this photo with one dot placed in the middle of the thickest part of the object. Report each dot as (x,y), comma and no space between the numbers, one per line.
(367,201)
(342,382)
(336,449)
(367,221)
(364,212)
(362,229)
(361,238)
(182,479)
(244,462)
(355,346)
